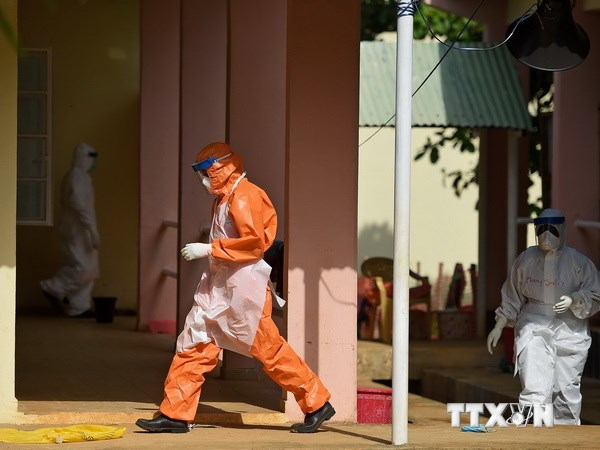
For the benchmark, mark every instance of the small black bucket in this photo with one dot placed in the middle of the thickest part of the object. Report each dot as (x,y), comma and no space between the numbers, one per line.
(105,309)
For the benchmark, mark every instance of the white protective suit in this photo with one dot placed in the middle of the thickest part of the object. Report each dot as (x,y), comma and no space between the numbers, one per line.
(72,284)
(550,347)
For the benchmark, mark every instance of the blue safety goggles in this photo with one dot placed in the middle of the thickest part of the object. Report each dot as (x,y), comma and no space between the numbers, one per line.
(93,154)
(548,220)
(205,164)
(543,224)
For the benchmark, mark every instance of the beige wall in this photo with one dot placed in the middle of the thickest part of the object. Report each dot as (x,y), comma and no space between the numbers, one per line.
(443,227)
(95,48)
(8,193)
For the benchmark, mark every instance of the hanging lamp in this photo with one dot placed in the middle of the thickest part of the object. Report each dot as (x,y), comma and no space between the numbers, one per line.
(549,39)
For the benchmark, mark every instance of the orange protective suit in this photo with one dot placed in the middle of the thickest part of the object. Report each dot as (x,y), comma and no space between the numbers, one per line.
(233,302)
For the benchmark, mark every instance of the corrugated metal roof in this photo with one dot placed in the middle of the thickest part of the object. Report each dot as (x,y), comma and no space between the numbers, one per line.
(476,89)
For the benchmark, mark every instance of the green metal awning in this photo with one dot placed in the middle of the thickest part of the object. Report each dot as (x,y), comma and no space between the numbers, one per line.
(476,89)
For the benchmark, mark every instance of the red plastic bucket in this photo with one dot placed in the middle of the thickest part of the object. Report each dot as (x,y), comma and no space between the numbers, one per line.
(374,405)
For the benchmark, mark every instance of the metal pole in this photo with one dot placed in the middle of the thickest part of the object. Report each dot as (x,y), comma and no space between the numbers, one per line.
(402,221)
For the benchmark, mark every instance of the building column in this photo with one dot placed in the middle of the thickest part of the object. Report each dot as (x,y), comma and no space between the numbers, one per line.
(8,219)
(203,97)
(159,156)
(322,181)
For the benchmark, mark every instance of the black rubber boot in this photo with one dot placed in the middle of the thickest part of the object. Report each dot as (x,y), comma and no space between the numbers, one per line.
(312,421)
(163,424)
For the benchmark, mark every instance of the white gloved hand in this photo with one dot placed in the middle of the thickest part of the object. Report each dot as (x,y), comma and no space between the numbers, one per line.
(196,250)
(563,305)
(496,333)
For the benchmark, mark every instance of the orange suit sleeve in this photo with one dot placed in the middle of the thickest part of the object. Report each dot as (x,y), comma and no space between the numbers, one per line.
(255,220)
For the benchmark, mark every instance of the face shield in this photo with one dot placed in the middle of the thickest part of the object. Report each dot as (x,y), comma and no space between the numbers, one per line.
(201,169)
(549,232)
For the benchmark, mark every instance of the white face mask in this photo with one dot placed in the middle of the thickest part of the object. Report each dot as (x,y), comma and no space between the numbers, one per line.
(548,242)
(206,183)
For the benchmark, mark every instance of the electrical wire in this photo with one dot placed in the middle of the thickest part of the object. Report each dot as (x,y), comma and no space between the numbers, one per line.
(400,13)
(450,47)
(525,15)
(432,70)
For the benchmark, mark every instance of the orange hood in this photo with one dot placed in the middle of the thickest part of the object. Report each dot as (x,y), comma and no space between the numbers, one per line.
(222,174)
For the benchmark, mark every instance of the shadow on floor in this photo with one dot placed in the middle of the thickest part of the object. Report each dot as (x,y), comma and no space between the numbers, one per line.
(59,359)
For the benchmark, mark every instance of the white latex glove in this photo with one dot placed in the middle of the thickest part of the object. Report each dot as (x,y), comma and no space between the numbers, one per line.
(496,333)
(196,250)
(563,305)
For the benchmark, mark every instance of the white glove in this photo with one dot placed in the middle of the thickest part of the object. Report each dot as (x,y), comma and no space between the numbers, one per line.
(496,333)
(196,250)
(562,306)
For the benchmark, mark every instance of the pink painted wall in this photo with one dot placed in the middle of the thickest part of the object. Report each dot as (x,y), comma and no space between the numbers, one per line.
(321,209)
(257,94)
(203,120)
(159,148)
(576,150)
(261,76)
(256,113)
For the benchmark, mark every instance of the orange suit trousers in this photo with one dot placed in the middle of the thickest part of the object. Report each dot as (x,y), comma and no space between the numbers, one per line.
(280,362)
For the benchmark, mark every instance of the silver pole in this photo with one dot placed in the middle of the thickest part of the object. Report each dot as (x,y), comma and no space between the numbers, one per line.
(402,221)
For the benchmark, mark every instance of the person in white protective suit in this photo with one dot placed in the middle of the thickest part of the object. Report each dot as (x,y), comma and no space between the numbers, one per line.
(550,292)
(70,288)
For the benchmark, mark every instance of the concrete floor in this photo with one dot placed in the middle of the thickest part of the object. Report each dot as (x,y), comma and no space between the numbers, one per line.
(69,369)
(79,368)
(73,371)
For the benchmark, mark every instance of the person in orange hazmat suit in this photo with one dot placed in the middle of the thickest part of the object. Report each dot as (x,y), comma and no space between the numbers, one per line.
(233,301)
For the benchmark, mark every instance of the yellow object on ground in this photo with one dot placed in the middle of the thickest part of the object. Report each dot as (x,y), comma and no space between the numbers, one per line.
(73,433)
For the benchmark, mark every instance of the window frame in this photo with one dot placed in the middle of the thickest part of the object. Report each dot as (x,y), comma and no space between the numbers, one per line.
(48,219)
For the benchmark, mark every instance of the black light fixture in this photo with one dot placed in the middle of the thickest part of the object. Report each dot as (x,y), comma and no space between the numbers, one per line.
(548,39)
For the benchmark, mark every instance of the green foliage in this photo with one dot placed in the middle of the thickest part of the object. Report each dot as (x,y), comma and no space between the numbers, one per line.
(378,16)
(446,25)
(457,137)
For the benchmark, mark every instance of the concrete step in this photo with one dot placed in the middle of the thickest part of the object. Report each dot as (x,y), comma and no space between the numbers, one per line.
(72,412)
(374,359)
